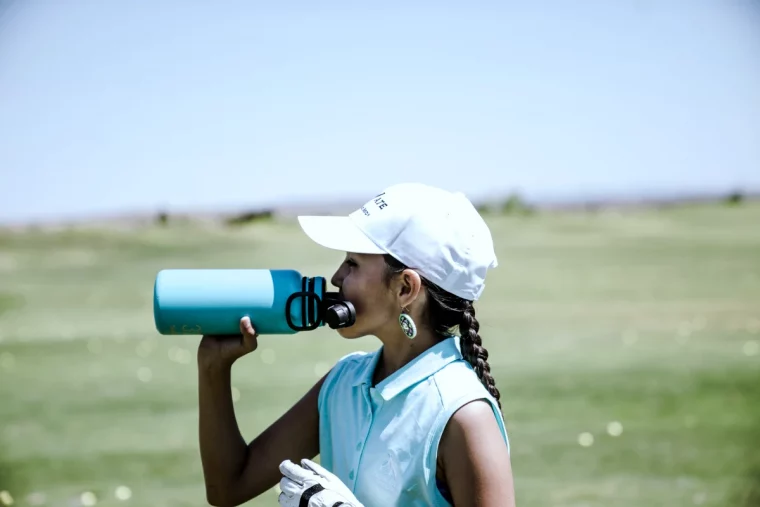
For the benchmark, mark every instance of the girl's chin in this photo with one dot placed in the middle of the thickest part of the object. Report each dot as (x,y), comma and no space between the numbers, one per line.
(350,332)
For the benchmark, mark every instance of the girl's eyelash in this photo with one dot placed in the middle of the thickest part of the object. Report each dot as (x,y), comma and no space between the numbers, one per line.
(351,262)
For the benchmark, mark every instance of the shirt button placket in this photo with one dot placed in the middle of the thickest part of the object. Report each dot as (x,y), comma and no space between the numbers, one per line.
(360,445)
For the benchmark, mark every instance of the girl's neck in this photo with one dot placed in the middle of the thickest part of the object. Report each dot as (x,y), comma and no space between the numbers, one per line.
(398,350)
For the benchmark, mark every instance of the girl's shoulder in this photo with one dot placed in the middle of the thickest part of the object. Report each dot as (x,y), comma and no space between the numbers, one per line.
(355,364)
(458,379)
(350,370)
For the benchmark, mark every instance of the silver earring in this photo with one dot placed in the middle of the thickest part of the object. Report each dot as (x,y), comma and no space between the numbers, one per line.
(407,325)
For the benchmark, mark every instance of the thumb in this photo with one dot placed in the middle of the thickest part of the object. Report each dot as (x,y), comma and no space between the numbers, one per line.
(249,341)
(317,469)
(295,472)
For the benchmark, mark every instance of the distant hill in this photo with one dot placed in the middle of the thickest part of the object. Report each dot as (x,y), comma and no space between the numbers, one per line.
(290,210)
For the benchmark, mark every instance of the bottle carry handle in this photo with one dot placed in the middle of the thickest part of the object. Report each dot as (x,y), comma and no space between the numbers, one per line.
(310,320)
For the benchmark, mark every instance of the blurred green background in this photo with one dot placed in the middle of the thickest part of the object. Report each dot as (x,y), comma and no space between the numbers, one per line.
(626,346)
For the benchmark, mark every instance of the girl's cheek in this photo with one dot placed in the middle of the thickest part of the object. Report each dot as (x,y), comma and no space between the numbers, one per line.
(353,294)
(356,301)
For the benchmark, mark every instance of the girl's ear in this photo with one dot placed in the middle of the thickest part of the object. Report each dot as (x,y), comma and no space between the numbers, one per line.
(408,288)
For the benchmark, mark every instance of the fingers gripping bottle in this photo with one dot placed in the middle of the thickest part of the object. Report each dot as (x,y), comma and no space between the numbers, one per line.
(212,302)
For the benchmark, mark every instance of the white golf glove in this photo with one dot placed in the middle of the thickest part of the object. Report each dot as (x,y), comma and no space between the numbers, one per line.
(311,485)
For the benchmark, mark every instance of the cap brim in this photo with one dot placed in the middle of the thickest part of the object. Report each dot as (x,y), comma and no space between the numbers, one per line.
(338,233)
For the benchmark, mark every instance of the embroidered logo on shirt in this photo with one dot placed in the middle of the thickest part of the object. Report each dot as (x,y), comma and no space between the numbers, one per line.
(395,464)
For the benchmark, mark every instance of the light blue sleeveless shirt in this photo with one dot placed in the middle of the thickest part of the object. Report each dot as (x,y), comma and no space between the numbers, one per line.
(382,441)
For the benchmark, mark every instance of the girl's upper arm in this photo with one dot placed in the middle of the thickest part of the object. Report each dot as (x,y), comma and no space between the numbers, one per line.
(294,436)
(475,458)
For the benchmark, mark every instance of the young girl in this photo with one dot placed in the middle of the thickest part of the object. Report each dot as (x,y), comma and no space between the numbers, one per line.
(418,421)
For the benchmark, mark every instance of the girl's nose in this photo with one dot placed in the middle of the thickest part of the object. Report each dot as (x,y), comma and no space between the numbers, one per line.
(337,279)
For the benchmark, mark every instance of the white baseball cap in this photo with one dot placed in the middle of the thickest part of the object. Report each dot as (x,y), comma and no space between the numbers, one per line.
(438,233)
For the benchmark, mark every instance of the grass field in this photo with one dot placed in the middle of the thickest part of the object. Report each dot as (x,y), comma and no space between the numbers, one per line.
(626,347)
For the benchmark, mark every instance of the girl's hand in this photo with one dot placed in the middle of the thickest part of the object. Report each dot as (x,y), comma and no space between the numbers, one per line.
(222,351)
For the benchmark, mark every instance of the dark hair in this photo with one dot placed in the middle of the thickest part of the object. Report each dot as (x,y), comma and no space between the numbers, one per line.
(444,313)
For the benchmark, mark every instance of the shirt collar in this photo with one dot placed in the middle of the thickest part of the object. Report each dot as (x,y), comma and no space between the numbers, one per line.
(417,370)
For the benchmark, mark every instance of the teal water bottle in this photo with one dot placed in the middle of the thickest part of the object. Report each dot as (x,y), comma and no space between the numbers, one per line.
(212,302)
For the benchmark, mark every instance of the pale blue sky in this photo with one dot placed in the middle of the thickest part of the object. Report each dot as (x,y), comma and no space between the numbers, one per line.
(111,106)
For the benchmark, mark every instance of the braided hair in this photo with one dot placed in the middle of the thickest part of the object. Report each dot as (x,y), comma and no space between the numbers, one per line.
(445,312)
